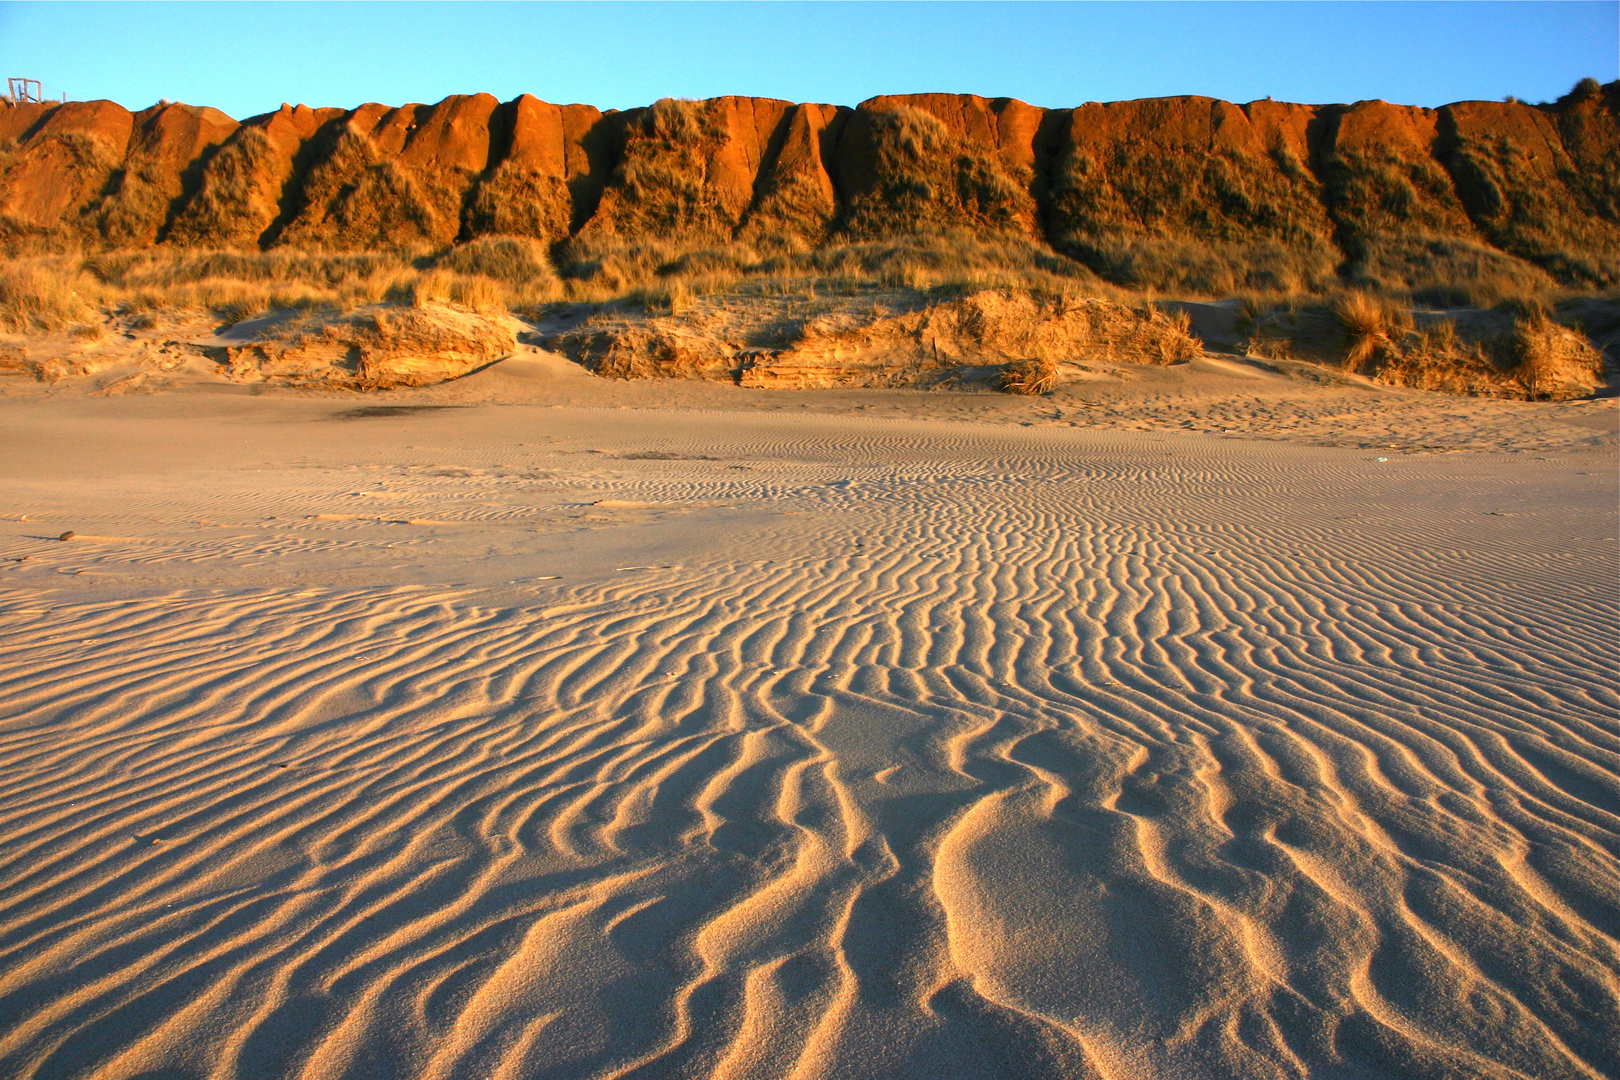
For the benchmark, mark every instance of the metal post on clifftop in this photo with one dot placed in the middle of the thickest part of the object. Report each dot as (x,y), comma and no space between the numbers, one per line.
(28,91)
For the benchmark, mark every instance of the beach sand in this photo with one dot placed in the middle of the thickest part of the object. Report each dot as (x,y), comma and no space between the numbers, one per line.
(535,726)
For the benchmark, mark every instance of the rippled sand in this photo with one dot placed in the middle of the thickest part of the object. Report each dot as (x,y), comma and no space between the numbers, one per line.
(514,741)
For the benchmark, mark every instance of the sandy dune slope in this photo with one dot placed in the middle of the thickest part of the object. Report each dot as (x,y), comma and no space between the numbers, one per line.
(523,741)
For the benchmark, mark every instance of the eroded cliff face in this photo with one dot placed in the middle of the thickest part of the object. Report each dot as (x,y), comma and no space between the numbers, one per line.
(169,145)
(244,187)
(60,167)
(549,178)
(940,161)
(1189,192)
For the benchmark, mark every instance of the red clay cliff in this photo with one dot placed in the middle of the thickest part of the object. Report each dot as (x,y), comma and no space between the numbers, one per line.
(1267,194)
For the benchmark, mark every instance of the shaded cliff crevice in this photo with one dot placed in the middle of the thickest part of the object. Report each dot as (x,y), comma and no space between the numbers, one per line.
(793,195)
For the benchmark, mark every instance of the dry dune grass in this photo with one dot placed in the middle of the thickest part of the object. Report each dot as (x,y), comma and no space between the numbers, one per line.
(1376,194)
(1405,232)
(1413,270)
(1550,360)
(1030,378)
(1446,271)
(44,295)
(515,262)
(1376,220)
(604,268)
(81,167)
(515,201)
(958,260)
(1526,217)
(1552,210)
(791,212)
(1371,324)
(488,274)
(1531,354)
(1213,269)
(137,211)
(239,285)
(1516,350)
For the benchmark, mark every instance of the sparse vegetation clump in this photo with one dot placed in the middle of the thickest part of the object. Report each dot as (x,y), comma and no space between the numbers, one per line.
(1371,324)
(136,212)
(520,202)
(1517,350)
(1030,378)
(1550,360)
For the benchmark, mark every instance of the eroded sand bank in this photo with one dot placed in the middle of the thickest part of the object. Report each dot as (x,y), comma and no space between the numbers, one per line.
(532,741)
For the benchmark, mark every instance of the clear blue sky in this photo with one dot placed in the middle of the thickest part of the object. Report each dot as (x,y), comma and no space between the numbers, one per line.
(248,58)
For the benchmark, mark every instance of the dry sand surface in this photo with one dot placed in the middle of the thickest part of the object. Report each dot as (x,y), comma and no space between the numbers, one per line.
(533,726)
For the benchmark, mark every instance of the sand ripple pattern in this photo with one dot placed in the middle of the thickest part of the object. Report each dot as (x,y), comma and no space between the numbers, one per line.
(972,775)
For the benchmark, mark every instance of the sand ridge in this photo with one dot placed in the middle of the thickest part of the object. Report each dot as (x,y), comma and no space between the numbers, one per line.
(908,749)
